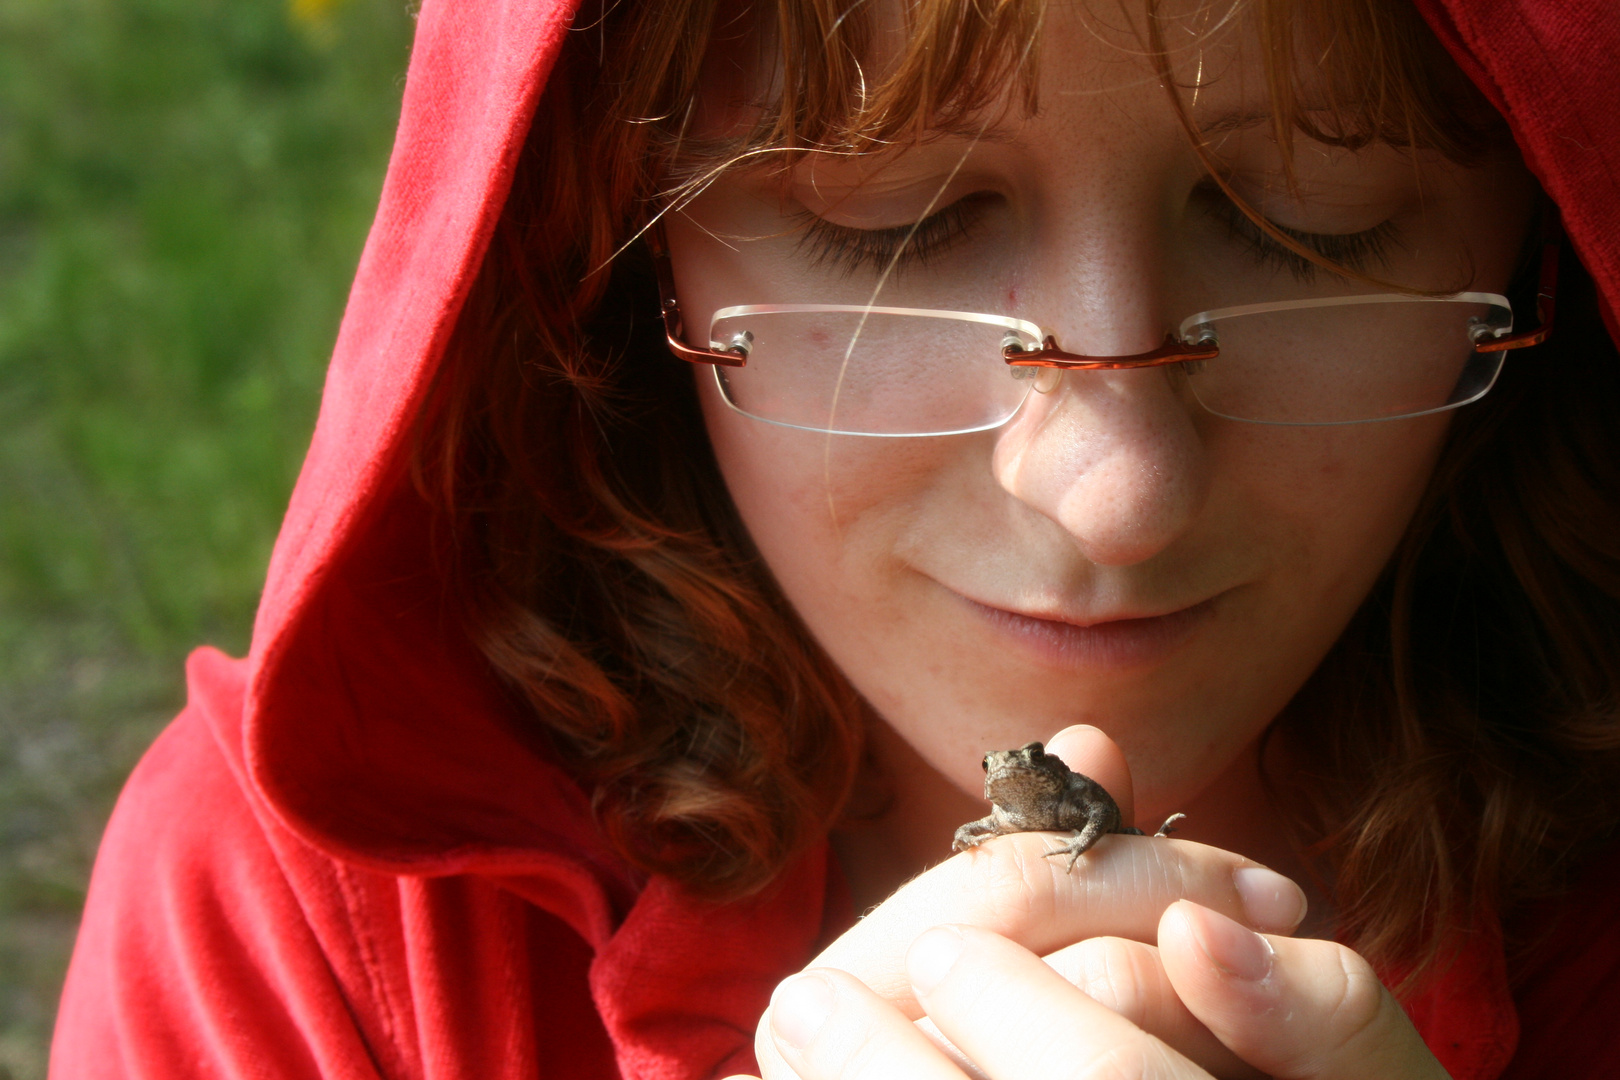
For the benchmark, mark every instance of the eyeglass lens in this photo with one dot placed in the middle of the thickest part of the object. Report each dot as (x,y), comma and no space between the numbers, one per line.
(882,374)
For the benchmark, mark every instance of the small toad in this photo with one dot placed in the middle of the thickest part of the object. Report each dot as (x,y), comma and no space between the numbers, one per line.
(1033,791)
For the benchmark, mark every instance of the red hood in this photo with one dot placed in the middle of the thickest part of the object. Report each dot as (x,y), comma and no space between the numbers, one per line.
(371,726)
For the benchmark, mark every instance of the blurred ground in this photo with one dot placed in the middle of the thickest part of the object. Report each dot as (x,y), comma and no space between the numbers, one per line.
(184,189)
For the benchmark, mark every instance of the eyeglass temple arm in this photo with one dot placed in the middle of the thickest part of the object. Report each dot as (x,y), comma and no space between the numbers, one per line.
(674,331)
(1552,235)
(1173,351)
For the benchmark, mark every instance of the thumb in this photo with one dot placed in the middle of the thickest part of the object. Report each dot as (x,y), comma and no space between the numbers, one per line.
(1294,1008)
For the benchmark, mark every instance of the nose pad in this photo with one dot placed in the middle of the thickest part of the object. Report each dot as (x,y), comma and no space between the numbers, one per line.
(1044,380)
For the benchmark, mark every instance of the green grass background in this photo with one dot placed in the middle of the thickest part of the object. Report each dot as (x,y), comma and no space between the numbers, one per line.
(184,189)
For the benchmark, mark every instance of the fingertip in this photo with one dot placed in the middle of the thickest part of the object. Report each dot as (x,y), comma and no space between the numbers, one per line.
(1077,729)
(1271,902)
(1232,949)
(800,1007)
(1176,930)
(932,956)
(1079,741)
(1089,750)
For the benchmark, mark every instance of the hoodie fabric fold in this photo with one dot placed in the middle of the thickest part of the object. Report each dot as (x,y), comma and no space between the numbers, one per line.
(347,858)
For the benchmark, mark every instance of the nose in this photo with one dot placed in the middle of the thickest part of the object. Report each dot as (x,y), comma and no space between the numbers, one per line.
(1111,456)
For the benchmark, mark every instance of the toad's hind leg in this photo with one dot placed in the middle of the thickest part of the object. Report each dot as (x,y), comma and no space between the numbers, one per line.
(1170,824)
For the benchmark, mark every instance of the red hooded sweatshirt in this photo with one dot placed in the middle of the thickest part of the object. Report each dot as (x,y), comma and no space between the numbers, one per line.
(341,860)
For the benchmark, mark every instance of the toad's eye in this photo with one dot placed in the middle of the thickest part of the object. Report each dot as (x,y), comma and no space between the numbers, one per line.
(984,763)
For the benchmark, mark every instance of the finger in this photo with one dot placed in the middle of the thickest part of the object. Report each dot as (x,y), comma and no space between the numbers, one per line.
(1298,1009)
(1014,1016)
(826,1025)
(1088,750)
(950,1049)
(1008,886)
(1128,978)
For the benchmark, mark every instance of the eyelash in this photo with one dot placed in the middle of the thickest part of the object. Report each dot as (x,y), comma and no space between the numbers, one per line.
(850,250)
(1353,251)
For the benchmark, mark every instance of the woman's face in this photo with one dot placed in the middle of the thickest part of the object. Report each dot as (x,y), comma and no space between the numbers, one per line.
(1114,554)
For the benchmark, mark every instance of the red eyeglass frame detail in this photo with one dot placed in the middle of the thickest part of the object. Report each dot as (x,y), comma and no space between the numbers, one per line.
(674,330)
(1049,355)
(1552,236)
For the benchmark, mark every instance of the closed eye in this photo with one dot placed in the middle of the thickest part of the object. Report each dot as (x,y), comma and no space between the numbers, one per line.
(1357,251)
(850,250)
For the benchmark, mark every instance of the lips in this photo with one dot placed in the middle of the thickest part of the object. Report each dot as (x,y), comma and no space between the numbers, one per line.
(1128,642)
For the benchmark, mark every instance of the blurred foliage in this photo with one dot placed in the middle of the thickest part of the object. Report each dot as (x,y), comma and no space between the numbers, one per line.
(184,189)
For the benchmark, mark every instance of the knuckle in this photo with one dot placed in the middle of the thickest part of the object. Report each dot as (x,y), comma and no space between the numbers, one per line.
(851,1052)
(1353,1016)
(1359,1005)
(1343,1019)
(1016,892)
(1143,1058)
(1114,974)
(1161,873)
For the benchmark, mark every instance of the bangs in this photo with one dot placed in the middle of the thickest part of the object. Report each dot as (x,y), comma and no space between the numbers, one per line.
(840,91)
(844,77)
(854,76)
(1385,78)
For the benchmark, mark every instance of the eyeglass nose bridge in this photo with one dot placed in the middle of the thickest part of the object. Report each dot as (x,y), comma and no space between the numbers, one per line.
(1049,355)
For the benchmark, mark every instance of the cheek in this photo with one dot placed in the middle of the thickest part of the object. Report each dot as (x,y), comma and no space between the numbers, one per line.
(824,511)
(1342,497)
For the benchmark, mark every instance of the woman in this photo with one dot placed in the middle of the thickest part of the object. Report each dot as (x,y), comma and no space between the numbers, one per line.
(570,661)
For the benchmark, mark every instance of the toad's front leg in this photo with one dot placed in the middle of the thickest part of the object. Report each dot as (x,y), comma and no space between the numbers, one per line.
(975,833)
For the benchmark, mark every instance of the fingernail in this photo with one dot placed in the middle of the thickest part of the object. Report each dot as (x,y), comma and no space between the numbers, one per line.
(1235,949)
(1271,902)
(799,1008)
(931,956)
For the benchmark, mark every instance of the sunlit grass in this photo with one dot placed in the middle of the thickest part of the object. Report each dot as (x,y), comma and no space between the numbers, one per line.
(184,188)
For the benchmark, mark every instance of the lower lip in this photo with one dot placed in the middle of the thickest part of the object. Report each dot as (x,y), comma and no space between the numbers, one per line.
(1121,643)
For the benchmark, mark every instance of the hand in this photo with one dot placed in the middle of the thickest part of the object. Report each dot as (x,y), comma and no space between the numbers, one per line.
(1285,1008)
(1175,1006)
